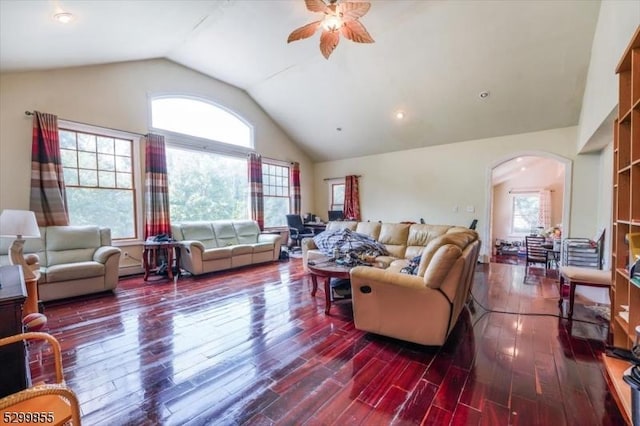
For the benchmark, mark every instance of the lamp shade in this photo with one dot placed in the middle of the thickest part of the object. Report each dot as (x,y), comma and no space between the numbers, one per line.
(19,223)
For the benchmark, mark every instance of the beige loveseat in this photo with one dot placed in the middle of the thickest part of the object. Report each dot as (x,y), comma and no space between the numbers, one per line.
(73,260)
(421,308)
(224,244)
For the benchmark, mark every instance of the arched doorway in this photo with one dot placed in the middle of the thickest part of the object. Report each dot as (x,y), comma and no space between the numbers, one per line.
(526,191)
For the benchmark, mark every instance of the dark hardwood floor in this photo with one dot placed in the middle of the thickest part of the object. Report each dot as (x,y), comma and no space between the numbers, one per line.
(251,346)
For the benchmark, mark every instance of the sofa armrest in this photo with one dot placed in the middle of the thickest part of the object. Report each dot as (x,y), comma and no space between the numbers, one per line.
(386,277)
(308,244)
(191,245)
(103,253)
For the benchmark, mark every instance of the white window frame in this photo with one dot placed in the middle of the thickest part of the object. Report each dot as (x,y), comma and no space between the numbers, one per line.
(290,196)
(199,143)
(330,184)
(138,188)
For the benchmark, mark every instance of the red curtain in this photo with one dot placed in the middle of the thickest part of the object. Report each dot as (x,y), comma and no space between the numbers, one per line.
(156,188)
(255,189)
(351,198)
(295,188)
(48,196)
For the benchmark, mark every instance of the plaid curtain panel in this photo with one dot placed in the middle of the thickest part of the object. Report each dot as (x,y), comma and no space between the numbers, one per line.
(156,188)
(255,188)
(48,198)
(351,198)
(295,187)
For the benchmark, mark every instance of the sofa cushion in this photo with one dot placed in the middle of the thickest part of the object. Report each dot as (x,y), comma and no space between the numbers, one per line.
(458,239)
(241,249)
(74,271)
(199,231)
(262,247)
(71,244)
(225,233)
(394,237)
(372,229)
(441,263)
(247,231)
(216,253)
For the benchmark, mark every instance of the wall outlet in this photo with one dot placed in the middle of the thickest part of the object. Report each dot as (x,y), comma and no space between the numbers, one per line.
(471,209)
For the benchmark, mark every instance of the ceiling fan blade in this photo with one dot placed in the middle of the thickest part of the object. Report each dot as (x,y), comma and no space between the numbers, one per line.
(315,5)
(328,41)
(355,31)
(303,32)
(353,9)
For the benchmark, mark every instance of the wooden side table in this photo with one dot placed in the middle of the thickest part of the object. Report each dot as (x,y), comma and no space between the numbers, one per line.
(327,270)
(14,373)
(171,250)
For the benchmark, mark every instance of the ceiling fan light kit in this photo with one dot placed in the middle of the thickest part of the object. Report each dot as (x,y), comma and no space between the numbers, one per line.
(339,18)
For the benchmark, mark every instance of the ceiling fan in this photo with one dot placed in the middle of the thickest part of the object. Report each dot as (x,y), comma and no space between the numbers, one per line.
(339,18)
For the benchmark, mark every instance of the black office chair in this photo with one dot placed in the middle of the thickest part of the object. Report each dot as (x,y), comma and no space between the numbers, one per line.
(297,230)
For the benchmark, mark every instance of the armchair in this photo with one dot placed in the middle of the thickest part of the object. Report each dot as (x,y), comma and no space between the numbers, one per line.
(297,230)
(53,403)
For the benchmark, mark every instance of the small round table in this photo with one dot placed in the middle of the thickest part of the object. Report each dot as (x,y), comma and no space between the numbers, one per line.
(327,270)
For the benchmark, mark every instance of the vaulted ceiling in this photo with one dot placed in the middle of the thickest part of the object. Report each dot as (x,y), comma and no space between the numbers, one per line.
(430,59)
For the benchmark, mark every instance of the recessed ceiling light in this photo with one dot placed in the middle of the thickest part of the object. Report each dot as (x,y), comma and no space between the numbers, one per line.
(484,95)
(400,115)
(339,129)
(519,159)
(63,17)
(523,168)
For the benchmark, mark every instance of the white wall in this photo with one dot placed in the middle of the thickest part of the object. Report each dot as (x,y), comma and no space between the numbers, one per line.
(617,21)
(430,182)
(116,96)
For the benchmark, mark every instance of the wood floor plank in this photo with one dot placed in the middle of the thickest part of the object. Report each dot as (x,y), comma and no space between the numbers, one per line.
(251,346)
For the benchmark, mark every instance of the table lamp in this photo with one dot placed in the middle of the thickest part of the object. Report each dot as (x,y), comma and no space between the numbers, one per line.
(19,224)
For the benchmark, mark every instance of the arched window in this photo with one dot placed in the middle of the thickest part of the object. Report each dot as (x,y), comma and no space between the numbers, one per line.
(194,117)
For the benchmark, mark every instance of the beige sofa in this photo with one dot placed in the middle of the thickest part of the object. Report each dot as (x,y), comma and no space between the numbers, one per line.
(218,245)
(73,260)
(421,308)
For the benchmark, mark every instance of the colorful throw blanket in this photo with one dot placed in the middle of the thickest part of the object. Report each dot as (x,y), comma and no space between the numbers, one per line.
(348,242)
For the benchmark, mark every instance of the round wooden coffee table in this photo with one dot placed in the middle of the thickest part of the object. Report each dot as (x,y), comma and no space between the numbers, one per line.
(327,270)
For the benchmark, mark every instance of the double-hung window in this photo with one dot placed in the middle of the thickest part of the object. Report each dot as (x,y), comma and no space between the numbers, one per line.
(100,178)
(525,208)
(337,196)
(276,193)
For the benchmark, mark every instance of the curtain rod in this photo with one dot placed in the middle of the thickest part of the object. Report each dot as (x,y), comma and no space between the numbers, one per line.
(29,113)
(339,177)
(525,190)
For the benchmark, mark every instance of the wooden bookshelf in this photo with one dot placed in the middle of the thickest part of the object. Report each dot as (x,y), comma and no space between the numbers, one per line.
(625,292)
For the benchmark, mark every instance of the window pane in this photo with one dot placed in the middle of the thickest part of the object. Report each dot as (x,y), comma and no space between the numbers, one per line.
(124,180)
(338,194)
(86,142)
(200,119)
(88,177)
(107,179)
(123,147)
(275,211)
(206,186)
(123,164)
(106,162)
(87,207)
(67,139)
(525,213)
(87,160)
(105,145)
(70,176)
(69,158)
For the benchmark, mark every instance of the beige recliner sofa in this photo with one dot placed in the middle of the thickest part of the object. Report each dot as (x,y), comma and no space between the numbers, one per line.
(421,308)
(224,244)
(73,260)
